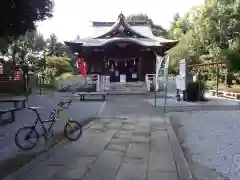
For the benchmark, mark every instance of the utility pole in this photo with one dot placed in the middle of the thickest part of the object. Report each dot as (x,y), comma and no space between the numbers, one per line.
(217,68)
(217,78)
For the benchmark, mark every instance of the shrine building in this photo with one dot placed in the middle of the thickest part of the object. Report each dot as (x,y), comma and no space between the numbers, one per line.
(121,48)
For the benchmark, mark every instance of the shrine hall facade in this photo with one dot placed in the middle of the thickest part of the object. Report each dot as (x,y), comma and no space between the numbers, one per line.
(121,48)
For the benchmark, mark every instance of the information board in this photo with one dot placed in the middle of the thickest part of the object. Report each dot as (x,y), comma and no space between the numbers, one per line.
(181,82)
(105,82)
(122,78)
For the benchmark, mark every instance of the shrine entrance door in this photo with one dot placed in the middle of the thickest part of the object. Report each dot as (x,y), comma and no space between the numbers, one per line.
(123,70)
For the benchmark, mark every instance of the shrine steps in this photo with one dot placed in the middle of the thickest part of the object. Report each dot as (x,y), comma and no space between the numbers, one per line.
(127,88)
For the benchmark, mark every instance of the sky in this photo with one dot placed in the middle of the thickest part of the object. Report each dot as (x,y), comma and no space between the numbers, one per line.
(72,17)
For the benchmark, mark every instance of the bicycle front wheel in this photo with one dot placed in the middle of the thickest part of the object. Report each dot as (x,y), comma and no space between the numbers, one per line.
(74,131)
(26,138)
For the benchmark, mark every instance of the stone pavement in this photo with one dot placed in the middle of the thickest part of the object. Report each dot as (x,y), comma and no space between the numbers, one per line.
(112,148)
(130,140)
(11,158)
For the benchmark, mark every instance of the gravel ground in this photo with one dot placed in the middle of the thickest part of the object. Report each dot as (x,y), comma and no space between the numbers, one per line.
(211,141)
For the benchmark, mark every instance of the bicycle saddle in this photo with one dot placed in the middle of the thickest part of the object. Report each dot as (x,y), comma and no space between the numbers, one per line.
(33,108)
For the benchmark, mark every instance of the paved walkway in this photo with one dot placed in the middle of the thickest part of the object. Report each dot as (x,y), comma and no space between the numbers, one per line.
(121,149)
(11,158)
(133,146)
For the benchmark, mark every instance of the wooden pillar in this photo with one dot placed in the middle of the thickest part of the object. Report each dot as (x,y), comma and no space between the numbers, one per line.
(139,64)
(226,77)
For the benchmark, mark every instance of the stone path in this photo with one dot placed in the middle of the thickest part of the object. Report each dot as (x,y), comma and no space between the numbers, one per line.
(11,158)
(136,148)
(129,141)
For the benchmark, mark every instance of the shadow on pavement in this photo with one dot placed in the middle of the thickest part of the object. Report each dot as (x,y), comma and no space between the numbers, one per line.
(12,164)
(11,158)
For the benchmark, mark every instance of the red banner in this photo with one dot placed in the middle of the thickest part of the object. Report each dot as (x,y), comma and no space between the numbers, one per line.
(82,67)
(1,68)
(18,75)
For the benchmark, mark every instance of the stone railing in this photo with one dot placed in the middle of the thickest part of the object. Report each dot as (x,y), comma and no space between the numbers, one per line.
(79,83)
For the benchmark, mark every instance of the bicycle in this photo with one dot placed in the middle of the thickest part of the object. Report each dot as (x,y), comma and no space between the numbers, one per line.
(32,135)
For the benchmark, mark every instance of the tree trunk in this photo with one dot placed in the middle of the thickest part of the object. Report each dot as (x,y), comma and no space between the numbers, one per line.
(13,63)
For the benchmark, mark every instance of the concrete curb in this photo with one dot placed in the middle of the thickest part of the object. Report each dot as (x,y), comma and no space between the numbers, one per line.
(27,167)
(184,172)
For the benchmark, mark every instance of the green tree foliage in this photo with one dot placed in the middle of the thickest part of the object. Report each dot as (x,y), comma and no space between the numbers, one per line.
(208,33)
(19,16)
(54,47)
(31,49)
(58,64)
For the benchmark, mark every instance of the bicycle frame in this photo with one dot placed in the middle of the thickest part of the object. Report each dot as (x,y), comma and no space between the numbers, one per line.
(60,114)
(39,119)
(52,119)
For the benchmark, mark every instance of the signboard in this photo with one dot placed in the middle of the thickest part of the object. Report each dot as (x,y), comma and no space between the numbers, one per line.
(181,78)
(105,82)
(166,71)
(134,75)
(159,61)
(122,78)
(181,82)
(182,67)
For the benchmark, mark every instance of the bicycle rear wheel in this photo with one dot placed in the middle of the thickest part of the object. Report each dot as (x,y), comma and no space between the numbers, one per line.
(74,131)
(26,138)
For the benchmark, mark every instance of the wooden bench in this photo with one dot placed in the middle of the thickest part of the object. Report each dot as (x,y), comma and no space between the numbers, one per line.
(84,94)
(5,111)
(15,102)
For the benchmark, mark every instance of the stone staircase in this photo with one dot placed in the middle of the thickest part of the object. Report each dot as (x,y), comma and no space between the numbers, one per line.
(127,88)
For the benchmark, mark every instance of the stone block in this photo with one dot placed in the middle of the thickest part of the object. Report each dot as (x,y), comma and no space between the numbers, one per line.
(108,160)
(98,174)
(123,135)
(42,172)
(140,139)
(132,169)
(158,175)
(137,151)
(114,125)
(159,134)
(160,144)
(119,141)
(76,170)
(116,147)
(128,127)
(161,161)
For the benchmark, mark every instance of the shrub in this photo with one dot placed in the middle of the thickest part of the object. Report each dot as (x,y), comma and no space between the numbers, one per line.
(235,86)
(210,85)
(64,76)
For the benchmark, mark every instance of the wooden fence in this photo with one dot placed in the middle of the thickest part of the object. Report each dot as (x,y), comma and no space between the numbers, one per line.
(9,86)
